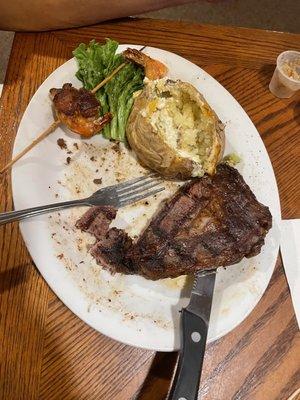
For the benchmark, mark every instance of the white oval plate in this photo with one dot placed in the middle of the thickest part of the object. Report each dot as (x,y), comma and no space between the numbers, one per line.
(132,309)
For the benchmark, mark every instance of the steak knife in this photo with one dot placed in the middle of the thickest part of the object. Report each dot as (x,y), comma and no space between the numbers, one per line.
(194,327)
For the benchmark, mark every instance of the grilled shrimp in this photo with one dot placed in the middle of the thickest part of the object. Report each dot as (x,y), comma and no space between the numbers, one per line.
(79,110)
(154,69)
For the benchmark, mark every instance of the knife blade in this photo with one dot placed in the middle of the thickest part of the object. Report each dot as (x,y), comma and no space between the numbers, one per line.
(202,293)
(194,327)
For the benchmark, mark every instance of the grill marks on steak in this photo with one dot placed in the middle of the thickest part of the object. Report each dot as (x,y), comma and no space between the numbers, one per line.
(211,221)
(176,212)
(223,223)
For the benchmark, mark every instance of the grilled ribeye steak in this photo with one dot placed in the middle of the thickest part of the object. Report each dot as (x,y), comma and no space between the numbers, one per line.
(211,221)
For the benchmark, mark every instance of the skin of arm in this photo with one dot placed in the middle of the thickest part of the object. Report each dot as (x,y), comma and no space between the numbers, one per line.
(42,15)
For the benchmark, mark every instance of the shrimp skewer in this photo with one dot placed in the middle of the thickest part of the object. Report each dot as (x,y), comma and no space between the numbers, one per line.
(154,69)
(82,116)
(79,110)
(57,122)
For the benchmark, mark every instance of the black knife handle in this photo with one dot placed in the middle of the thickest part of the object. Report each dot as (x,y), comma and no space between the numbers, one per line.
(186,381)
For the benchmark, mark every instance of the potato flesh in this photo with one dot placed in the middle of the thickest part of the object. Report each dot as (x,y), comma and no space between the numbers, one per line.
(179,119)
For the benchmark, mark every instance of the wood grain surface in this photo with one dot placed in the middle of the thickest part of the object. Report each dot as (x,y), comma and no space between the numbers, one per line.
(46,352)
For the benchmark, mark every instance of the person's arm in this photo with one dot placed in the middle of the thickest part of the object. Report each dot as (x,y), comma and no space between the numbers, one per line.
(40,15)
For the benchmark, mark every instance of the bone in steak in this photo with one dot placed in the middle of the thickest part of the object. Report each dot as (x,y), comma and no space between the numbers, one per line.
(211,221)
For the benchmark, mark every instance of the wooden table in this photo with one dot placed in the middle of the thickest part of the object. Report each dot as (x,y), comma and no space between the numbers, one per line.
(46,352)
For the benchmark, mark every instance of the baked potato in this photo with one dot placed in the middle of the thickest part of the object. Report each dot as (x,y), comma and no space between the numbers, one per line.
(174,131)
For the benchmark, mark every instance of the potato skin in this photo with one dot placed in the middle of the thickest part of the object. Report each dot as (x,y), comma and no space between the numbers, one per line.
(155,153)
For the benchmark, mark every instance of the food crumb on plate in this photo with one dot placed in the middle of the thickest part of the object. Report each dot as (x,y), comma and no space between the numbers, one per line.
(62,143)
(116,148)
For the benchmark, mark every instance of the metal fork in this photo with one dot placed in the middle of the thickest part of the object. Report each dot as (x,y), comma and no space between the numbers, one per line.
(119,195)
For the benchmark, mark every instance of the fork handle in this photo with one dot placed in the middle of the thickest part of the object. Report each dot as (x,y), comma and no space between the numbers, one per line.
(11,216)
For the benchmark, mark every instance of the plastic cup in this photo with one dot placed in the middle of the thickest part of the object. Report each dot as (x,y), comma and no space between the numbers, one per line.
(282,85)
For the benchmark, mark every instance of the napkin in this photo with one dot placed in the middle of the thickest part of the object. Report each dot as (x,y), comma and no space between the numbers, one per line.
(290,251)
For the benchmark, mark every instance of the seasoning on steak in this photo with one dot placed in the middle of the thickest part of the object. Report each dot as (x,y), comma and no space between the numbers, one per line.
(79,110)
(211,221)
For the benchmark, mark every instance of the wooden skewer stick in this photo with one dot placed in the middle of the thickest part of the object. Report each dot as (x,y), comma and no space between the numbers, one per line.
(50,129)
(295,395)
(115,71)
(55,124)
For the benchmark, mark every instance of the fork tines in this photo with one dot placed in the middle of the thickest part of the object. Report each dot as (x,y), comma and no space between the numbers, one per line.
(138,189)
